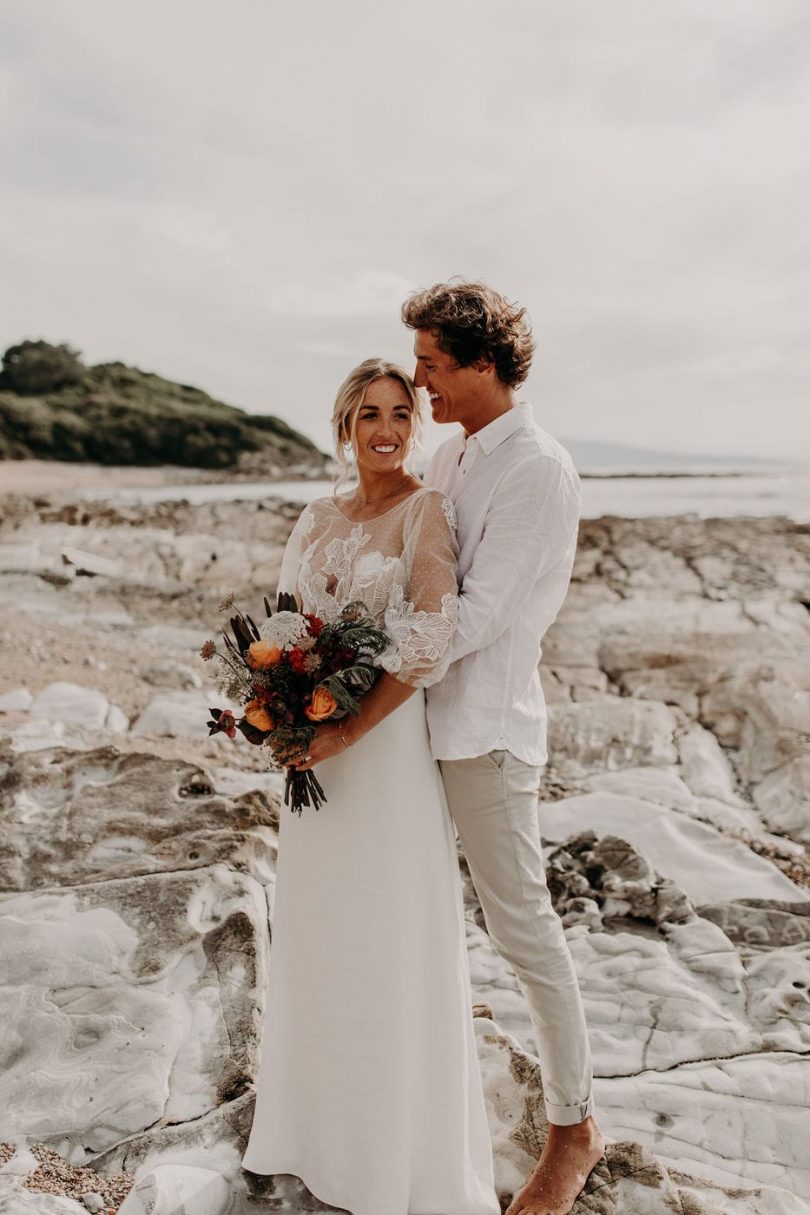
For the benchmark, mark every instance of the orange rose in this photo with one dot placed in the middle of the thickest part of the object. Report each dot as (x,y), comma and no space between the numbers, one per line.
(263,654)
(257,716)
(323,705)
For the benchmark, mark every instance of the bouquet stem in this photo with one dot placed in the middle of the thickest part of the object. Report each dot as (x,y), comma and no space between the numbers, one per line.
(302,789)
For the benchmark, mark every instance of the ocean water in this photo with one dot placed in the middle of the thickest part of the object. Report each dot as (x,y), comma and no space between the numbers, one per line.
(718,496)
(724,496)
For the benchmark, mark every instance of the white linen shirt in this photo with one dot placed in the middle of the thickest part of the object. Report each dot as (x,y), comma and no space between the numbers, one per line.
(517,498)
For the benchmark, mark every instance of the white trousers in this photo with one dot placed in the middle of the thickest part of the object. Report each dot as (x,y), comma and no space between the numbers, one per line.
(493,801)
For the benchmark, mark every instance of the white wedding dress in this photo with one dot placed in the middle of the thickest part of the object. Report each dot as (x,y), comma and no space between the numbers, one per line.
(368,1086)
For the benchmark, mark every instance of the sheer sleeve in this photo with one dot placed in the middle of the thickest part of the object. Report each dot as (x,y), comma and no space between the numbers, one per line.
(421,615)
(288,578)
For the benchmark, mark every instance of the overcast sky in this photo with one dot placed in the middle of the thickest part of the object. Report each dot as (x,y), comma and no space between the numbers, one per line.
(239,195)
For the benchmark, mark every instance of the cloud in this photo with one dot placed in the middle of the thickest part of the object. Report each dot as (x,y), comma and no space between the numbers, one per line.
(241,197)
(365,294)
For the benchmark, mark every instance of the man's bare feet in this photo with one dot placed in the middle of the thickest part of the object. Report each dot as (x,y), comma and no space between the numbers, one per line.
(567,1160)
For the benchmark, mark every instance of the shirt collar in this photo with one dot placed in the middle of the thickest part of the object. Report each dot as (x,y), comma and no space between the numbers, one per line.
(496,432)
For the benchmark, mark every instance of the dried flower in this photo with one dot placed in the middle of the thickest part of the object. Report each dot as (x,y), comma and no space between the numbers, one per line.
(284,629)
(290,673)
(297,660)
(222,721)
(208,650)
(233,685)
(227,602)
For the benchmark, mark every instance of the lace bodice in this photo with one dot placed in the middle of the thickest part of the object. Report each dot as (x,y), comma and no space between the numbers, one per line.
(402,565)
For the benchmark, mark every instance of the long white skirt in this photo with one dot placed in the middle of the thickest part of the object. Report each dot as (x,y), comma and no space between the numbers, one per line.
(368,1087)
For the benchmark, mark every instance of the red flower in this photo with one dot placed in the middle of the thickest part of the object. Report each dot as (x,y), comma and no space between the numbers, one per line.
(341,659)
(314,623)
(297,660)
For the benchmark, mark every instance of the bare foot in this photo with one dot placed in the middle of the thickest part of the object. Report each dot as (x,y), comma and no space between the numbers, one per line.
(567,1160)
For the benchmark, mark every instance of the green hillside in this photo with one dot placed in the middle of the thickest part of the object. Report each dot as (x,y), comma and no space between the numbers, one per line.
(52,407)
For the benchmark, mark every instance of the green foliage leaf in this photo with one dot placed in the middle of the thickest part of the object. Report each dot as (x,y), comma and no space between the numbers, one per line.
(30,368)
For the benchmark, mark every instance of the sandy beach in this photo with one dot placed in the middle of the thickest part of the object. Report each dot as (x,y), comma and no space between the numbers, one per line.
(57,477)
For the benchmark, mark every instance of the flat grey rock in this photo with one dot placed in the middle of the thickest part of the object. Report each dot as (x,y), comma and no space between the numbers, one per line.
(783,798)
(611,733)
(75,817)
(128,1004)
(17,701)
(137,885)
(707,864)
(72,703)
(177,713)
(91,564)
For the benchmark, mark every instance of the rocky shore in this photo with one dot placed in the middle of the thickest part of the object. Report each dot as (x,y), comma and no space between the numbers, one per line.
(137,864)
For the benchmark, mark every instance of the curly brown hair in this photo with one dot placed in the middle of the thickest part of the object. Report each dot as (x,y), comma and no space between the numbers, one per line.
(471,321)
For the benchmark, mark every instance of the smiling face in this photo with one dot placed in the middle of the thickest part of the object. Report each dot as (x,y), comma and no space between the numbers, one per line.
(455,392)
(383,427)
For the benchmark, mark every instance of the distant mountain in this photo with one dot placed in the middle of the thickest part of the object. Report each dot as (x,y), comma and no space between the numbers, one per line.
(52,407)
(598,456)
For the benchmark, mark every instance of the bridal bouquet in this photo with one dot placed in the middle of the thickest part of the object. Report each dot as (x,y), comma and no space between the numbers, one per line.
(290,673)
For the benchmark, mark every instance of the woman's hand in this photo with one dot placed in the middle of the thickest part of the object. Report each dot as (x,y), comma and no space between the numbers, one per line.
(334,737)
(330,740)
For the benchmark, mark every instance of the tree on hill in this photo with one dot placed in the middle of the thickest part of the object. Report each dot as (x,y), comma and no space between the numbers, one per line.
(30,368)
(52,407)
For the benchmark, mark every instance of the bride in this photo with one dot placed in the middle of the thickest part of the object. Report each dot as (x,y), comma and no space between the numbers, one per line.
(368,1087)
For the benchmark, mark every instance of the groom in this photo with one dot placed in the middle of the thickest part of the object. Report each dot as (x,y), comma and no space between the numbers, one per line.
(517,499)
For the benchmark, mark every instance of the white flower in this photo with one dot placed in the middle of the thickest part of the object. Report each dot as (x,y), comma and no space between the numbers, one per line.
(284,629)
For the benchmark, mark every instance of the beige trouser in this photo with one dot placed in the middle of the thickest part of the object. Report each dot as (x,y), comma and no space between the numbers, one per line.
(493,801)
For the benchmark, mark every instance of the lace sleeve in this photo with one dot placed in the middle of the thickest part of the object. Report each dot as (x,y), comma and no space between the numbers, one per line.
(288,578)
(421,615)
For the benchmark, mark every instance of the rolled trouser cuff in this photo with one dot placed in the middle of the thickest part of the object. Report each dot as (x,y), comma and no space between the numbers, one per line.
(569,1115)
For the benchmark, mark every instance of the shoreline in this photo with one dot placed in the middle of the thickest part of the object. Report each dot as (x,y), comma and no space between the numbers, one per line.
(26,477)
(609,495)
(29,477)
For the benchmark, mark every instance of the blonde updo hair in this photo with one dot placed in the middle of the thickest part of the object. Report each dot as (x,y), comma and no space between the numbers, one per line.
(350,397)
